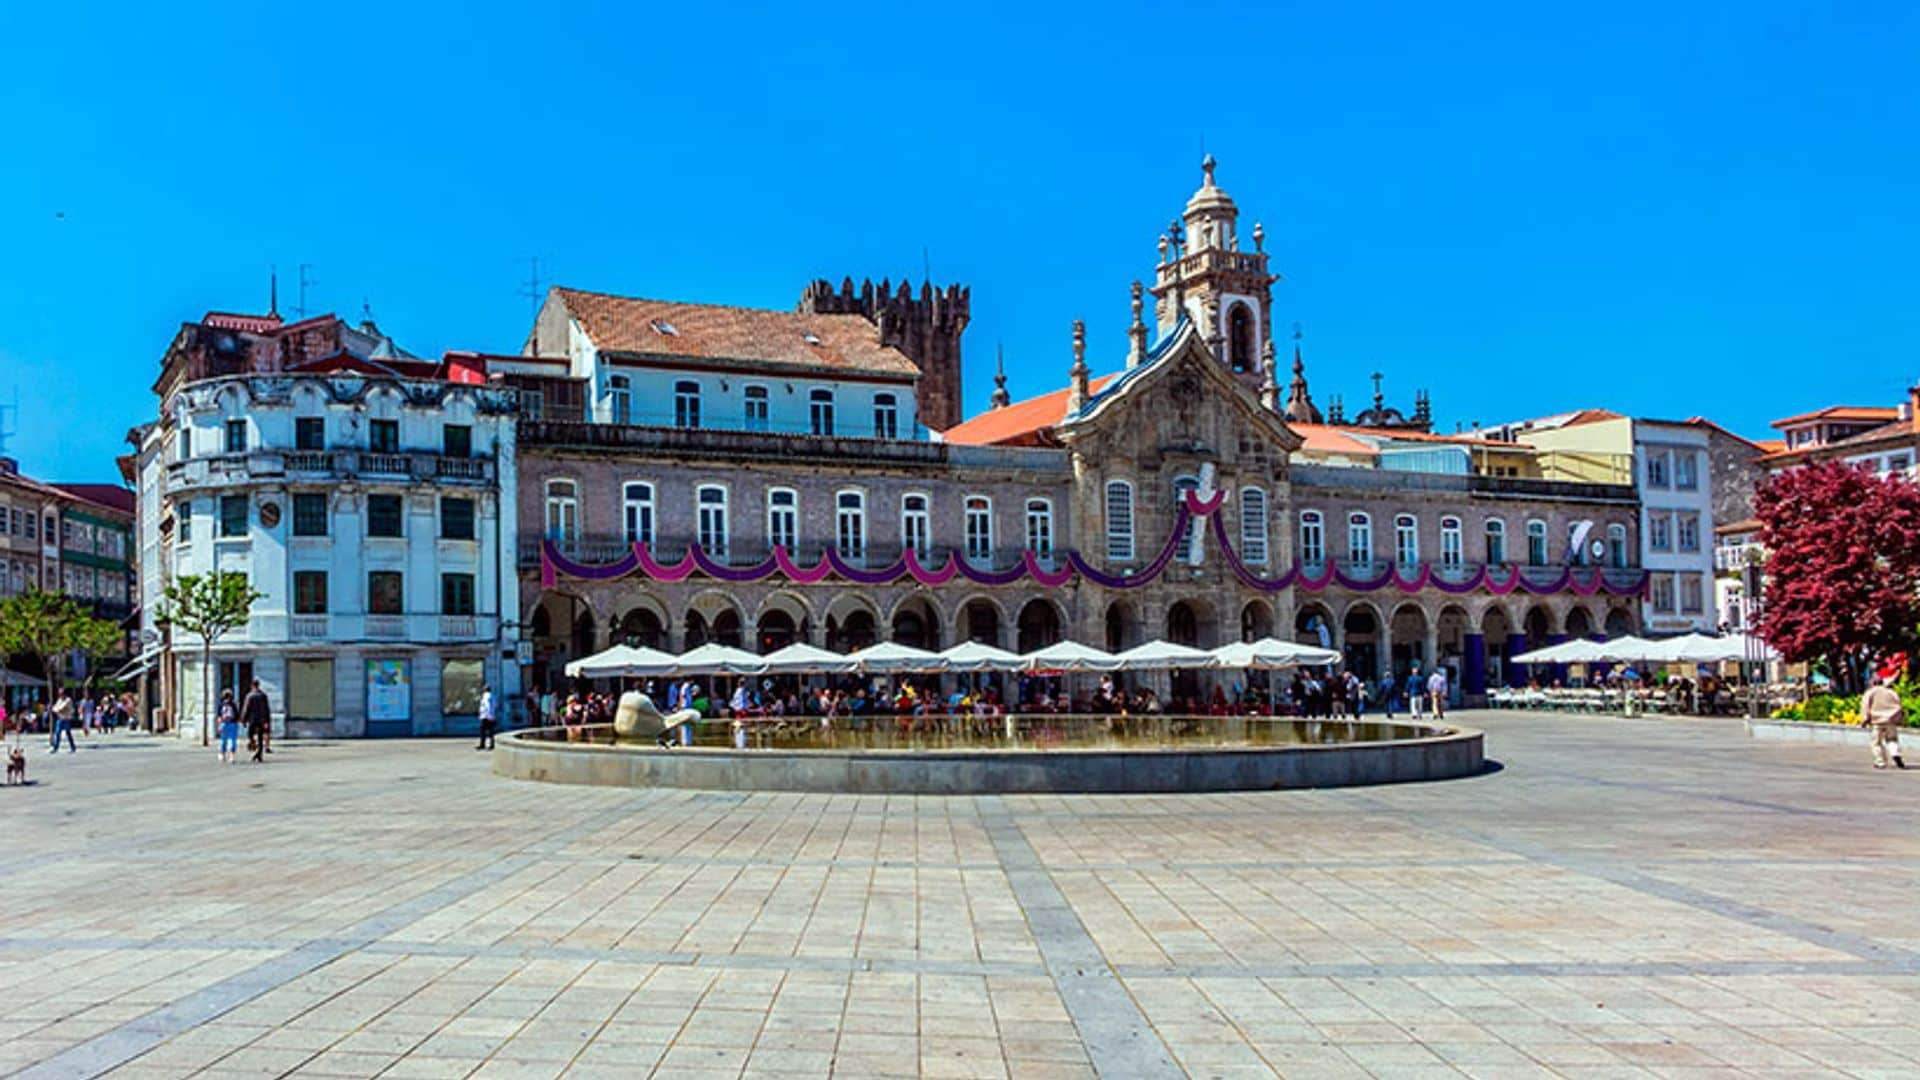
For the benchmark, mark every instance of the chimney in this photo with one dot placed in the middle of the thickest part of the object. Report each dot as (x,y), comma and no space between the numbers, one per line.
(1910,408)
(9,467)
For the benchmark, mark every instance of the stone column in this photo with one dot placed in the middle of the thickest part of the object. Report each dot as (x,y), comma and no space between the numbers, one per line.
(1385,660)
(1431,645)
(1516,644)
(1474,675)
(1559,670)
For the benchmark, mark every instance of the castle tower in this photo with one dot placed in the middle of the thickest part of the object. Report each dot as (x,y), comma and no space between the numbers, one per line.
(926,328)
(1204,275)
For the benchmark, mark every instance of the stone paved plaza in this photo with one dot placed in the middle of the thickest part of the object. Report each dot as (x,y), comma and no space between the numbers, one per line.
(1622,898)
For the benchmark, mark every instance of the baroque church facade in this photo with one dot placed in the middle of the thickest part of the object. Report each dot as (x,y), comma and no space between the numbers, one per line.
(806,475)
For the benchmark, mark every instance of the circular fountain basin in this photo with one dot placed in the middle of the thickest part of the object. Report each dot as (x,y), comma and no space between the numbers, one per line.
(1061,754)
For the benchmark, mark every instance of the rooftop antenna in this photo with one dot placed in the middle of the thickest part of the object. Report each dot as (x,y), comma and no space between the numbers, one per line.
(926,264)
(306,283)
(273,292)
(535,288)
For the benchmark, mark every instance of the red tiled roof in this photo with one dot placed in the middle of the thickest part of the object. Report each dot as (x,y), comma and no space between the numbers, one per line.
(629,324)
(1423,436)
(111,496)
(1019,419)
(1591,416)
(1701,421)
(1842,412)
(252,324)
(1321,439)
(1729,529)
(1896,429)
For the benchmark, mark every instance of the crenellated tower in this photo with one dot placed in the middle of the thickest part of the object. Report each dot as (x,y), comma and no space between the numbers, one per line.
(925,327)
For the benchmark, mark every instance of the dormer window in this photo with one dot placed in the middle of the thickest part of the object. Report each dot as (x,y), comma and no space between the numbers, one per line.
(662,326)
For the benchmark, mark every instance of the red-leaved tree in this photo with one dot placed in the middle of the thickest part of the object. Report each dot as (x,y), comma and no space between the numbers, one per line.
(1843,565)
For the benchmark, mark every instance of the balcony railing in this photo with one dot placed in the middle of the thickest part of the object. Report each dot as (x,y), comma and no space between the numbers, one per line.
(458,626)
(386,465)
(310,461)
(597,549)
(228,469)
(307,627)
(454,468)
(386,626)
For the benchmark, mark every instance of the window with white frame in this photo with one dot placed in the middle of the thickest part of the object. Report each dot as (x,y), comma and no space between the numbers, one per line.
(1692,594)
(1119,521)
(686,404)
(1496,542)
(979,528)
(1536,543)
(1183,549)
(915,527)
(711,522)
(820,411)
(1660,588)
(1452,544)
(1040,528)
(1406,540)
(636,512)
(756,407)
(1687,532)
(850,525)
(1253,525)
(1659,469)
(886,416)
(621,392)
(1359,538)
(1617,546)
(783,518)
(1313,537)
(563,512)
(1686,470)
(1659,531)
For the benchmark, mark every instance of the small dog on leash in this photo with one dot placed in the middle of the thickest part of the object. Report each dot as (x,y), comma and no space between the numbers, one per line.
(16,766)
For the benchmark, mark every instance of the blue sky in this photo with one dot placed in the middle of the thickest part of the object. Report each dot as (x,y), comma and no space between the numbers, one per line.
(1665,209)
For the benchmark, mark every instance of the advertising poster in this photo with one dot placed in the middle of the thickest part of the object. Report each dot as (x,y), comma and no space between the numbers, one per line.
(389,690)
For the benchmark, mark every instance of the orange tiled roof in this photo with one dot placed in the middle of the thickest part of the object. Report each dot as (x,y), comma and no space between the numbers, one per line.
(1771,446)
(1017,420)
(1423,436)
(1734,527)
(629,324)
(1701,421)
(1892,430)
(1321,439)
(1591,416)
(1842,412)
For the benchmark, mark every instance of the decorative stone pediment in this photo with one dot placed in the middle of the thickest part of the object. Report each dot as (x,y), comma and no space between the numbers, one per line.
(1184,402)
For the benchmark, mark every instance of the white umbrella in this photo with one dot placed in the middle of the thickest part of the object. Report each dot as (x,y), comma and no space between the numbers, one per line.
(622,660)
(1070,656)
(1272,653)
(714,658)
(975,656)
(1702,649)
(890,657)
(1626,649)
(1577,651)
(1164,654)
(801,658)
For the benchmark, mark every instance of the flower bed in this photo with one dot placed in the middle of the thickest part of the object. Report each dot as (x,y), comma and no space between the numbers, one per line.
(1845,709)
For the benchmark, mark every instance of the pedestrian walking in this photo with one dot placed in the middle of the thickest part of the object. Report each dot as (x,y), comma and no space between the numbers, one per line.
(61,721)
(257,715)
(487,724)
(1416,690)
(1881,710)
(1388,688)
(228,718)
(1437,692)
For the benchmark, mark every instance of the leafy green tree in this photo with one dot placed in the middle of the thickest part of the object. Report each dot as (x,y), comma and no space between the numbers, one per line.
(207,605)
(96,639)
(40,625)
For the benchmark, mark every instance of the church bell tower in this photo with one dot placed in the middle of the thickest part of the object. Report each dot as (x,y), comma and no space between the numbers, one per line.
(1203,275)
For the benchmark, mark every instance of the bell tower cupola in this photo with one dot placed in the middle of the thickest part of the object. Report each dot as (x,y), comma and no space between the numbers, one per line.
(1204,275)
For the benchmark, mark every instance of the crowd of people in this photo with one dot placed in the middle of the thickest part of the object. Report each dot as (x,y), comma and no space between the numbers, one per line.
(89,714)
(911,702)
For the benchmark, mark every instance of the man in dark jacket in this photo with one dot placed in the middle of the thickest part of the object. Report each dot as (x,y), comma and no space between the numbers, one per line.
(257,715)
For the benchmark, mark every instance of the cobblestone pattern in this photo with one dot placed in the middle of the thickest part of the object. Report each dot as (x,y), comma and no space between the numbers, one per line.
(1622,899)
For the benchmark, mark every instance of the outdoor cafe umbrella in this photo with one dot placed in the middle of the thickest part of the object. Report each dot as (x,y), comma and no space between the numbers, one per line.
(1577,651)
(976,656)
(1164,654)
(714,658)
(801,658)
(1702,649)
(1626,649)
(622,660)
(1272,653)
(1070,656)
(892,658)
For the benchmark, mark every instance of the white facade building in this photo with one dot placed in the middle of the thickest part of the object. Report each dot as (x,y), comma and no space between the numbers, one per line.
(375,514)
(1676,526)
